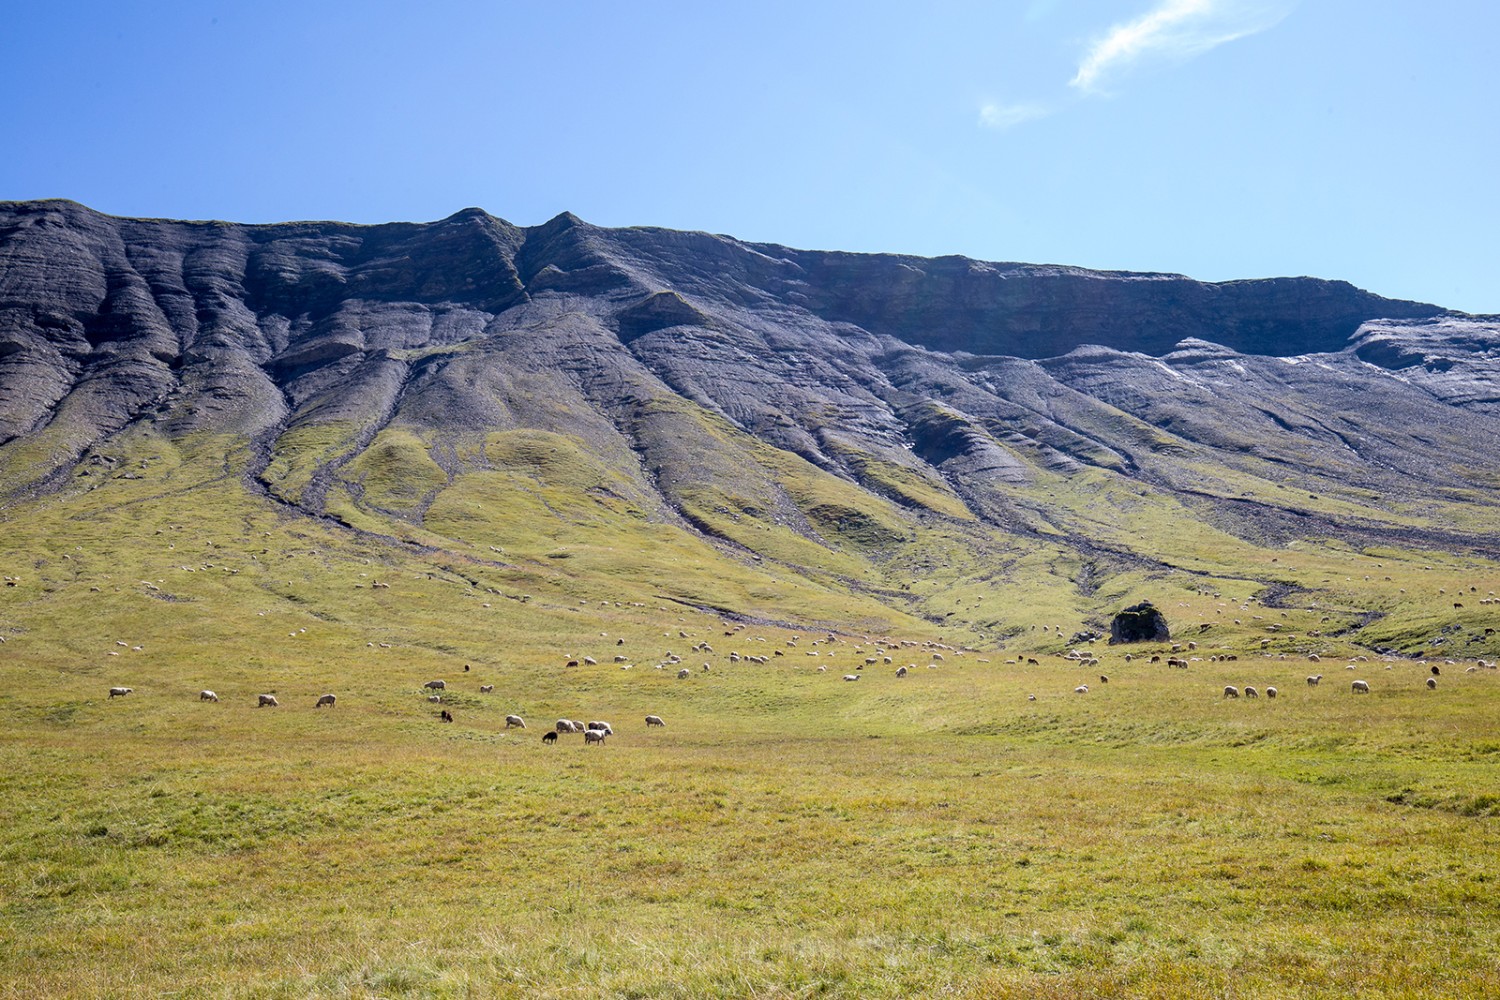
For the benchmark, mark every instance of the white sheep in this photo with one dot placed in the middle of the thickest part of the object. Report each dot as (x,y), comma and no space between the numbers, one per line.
(1313,679)
(594,736)
(327,700)
(602,727)
(207,696)
(119,692)
(1360,687)
(684,674)
(1270,692)
(1250,692)
(1230,691)
(268,701)
(567,726)
(900,671)
(1081,689)
(654,720)
(514,720)
(486,689)
(851,677)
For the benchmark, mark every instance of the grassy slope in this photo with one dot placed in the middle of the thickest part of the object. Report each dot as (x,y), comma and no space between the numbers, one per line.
(788,834)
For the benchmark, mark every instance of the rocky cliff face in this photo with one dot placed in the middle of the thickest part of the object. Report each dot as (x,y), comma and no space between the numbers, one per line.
(687,363)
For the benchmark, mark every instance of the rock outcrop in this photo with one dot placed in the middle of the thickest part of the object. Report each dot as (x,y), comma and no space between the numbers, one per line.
(1139,623)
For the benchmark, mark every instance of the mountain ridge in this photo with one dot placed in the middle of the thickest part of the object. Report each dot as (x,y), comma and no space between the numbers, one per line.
(803,407)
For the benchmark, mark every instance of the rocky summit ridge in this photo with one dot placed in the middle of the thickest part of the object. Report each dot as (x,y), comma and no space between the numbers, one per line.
(368,372)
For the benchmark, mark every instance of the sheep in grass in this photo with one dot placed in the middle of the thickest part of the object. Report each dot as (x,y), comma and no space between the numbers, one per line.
(1432,683)
(900,671)
(207,696)
(594,736)
(267,701)
(1230,691)
(446,716)
(1270,692)
(1313,679)
(436,685)
(600,727)
(326,701)
(1250,692)
(119,692)
(549,737)
(1360,687)
(567,726)
(486,689)
(654,720)
(851,677)
(1081,689)
(513,721)
(684,674)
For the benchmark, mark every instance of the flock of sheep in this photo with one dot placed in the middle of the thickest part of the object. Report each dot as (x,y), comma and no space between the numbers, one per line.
(593,732)
(869,651)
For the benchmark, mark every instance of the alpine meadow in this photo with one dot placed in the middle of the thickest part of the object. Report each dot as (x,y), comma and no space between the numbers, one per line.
(855,529)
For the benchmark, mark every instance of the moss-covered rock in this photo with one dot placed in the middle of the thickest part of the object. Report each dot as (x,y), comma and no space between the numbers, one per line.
(1139,623)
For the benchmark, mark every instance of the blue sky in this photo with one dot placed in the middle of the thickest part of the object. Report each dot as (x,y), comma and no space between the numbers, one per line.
(1216,138)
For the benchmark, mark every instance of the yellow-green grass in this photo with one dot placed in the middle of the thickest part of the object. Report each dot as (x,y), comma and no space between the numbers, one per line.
(787,834)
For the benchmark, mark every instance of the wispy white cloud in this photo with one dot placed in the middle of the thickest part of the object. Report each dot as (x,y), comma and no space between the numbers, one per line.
(1003,116)
(1173,30)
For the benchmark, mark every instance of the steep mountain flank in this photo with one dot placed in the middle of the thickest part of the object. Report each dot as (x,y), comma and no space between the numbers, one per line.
(807,408)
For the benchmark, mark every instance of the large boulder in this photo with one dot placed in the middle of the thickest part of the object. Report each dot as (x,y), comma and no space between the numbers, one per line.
(1139,623)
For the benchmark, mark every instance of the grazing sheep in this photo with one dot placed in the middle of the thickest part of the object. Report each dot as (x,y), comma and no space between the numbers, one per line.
(1360,687)
(119,692)
(1432,683)
(567,726)
(851,677)
(1250,692)
(1103,679)
(900,671)
(436,685)
(268,701)
(1436,670)
(434,698)
(327,700)
(1081,689)
(654,720)
(1270,692)
(549,737)
(486,689)
(684,674)
(594,736)
(602,727)
(446,716)
(1031,697)
(207,696)
(590,661)
(514,720)
(1313,679)
(1230,691)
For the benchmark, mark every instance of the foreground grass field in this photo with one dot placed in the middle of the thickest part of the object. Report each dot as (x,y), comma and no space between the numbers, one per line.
(787,834)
